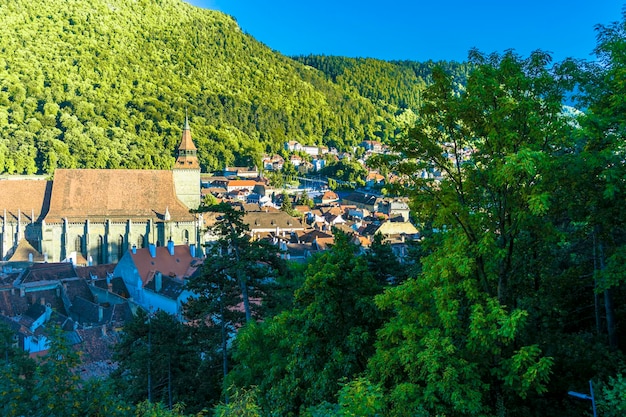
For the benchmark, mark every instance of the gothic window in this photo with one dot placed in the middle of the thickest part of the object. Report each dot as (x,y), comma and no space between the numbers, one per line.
(186,237)
(120,247)
(78,244)
(101,249)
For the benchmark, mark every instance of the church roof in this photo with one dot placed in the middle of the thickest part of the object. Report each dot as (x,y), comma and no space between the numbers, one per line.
(25,197)
(98,194)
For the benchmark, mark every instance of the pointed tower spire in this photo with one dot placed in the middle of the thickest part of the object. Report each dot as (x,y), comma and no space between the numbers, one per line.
(187,152)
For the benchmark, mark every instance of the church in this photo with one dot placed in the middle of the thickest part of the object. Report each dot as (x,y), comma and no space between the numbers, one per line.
(93,216)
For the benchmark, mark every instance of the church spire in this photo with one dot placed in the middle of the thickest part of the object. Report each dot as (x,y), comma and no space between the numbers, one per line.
(187,152)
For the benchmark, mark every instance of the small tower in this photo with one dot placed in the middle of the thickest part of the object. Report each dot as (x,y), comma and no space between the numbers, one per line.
(187,152)
(186,170)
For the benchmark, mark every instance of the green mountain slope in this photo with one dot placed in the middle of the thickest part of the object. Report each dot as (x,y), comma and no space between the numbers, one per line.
(397,83)
(106,84)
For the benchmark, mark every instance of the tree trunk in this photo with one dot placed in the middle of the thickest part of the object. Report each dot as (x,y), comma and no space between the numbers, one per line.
(245,298)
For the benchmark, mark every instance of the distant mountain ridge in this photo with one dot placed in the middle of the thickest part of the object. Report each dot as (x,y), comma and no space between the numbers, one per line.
(106,84)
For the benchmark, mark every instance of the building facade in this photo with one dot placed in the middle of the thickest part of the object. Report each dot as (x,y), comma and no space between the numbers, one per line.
(93,216)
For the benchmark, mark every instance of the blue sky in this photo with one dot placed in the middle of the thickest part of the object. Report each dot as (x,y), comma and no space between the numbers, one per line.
(422,30)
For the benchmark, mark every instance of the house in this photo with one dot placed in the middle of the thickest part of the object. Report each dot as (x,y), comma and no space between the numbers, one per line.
(372,146)
(293,146)
(241,172)
(235,185)
(361,200)
(318,164)
(374,179)
(327,197)
(396,208)
(296,160)
(155,276)
(279,223)
(273,163)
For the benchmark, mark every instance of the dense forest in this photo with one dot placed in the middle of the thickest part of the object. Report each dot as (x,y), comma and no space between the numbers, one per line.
(106,84)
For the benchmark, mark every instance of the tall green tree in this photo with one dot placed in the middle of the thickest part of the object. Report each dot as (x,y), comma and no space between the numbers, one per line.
(601,155)
(159,363)
(239,279)
(458,342)
(299,358)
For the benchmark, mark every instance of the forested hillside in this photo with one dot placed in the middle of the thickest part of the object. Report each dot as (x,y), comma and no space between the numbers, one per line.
(105,84)
(398,83)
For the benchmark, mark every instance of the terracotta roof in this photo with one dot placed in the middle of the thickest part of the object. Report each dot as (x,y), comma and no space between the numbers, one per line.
(98,194)
(11,304)
(23,250)
(259,220)
(48,272)
(21,196)
(241,183)
(97,271)
(180,265)
(78,288)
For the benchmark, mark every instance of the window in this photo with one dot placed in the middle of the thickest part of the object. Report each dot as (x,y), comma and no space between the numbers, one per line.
(120,247)
(78,244)
(101,250)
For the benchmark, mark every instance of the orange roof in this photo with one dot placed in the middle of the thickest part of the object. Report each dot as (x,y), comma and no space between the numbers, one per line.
(179,265)
(186,143)
(98,194)
(241,183)
(21,196)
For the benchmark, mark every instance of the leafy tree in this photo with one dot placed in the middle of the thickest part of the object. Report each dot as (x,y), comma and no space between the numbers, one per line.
(458,342)
(158,363)
(238,279)
(298,358)
(600,159)
(383,264)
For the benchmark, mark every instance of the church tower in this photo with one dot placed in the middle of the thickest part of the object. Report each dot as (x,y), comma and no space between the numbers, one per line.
(187,170)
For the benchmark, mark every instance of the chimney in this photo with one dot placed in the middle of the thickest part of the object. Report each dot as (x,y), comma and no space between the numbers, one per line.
(192,250)
(158,281)
(152,248)
(170,247)
(134,249)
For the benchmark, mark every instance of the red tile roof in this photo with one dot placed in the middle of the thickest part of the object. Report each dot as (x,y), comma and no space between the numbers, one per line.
(25,197)
(98,194)
(181,265)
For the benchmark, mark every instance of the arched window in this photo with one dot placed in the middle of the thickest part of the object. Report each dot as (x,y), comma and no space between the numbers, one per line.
(101,249)
(141,241)
(78,244)
(186,237)
(120,247)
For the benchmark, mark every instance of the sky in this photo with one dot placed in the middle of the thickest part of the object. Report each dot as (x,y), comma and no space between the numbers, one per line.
(421,30)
